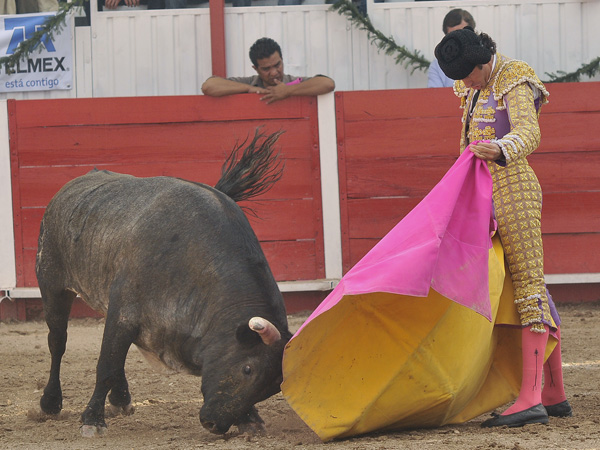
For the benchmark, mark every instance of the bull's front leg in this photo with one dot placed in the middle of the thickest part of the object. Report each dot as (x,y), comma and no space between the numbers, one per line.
(57,306)
(110,376)
(252,423)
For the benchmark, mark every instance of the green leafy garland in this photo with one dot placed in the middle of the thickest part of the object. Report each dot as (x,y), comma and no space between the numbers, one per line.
(416,59)
(54,24)
(589,70)
(403,55)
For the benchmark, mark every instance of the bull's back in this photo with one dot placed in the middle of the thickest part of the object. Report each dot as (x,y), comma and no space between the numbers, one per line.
(107,200)
(104,226)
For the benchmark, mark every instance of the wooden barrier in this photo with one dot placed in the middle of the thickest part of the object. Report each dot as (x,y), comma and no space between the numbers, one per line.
(54,141)
(394,146)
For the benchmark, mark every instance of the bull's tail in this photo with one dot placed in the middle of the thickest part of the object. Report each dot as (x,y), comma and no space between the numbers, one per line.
(255,171)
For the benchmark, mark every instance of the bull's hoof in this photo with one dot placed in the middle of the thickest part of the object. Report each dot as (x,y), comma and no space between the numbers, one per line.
(252,428)
(38,415)
(51,404)
(92,431)
(114,411)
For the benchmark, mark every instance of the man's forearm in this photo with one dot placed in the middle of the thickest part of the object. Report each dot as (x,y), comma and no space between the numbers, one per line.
(315,86)
(219,87)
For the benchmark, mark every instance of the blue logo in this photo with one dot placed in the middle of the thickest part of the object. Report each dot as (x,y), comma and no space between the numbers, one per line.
(24,28)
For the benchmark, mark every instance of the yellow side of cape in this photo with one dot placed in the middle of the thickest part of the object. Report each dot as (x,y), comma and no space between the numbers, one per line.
(386,361)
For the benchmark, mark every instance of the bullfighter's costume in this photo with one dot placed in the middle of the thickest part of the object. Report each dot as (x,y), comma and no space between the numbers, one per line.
(502,100)
(513,96)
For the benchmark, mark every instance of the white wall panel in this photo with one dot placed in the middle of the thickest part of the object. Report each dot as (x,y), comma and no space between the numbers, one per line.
(83,63)
(150,52)
(348,60)
(168,52)
(591,32)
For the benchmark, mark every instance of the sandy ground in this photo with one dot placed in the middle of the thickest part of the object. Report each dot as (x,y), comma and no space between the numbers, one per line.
(167,405)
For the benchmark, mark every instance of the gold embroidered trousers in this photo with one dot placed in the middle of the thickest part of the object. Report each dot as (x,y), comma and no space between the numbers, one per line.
(518,207)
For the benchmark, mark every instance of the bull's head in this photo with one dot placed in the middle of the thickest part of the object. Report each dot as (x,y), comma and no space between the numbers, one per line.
(243,376)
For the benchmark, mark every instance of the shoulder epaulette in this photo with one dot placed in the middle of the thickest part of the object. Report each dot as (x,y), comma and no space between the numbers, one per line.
(512,74)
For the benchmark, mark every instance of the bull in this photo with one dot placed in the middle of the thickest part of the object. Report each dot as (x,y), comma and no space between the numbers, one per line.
(176,269)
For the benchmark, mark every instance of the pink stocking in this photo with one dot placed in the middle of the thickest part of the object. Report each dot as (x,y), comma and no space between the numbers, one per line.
(554,390)
(534,346)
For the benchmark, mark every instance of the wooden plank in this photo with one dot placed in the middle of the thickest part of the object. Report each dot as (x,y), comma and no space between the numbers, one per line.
(401,104)
(295,260)
(47,146)
(402,176)
(579,136)
(572,97)
(160,109)
(285,220)
(572,253)
(358,249)
(39,184)
(567,171)
(571,212)
(31,220)
(413,136)
(28,278)
(374,218)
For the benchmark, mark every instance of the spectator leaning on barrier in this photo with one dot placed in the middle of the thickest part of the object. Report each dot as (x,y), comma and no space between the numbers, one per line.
(270,80)
(456,19)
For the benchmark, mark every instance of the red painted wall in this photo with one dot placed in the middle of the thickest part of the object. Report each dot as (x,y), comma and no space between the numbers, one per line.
(54,141)
(394,146)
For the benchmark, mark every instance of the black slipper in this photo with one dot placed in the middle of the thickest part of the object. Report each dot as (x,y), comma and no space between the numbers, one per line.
(562,409)
(535,414)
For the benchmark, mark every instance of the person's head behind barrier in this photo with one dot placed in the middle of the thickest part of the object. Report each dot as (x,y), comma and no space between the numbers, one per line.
(263,48)
(455,18)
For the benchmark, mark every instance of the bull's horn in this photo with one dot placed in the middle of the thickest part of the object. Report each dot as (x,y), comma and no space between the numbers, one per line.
(267,331)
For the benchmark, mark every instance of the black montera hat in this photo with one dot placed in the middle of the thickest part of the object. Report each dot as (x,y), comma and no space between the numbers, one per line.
(460,52)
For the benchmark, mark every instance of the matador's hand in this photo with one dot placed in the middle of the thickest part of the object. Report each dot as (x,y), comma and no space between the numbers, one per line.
(486,151)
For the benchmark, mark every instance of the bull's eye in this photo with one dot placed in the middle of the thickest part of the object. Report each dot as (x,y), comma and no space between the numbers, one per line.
(247,370)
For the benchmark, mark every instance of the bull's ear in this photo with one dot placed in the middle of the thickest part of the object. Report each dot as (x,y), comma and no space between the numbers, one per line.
(245,336)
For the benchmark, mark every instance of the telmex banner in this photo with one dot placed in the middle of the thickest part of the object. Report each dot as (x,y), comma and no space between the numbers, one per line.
(47,67)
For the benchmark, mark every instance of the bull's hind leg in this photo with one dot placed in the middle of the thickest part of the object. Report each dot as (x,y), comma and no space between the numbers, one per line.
(120,398)
(119,334)
(57,307)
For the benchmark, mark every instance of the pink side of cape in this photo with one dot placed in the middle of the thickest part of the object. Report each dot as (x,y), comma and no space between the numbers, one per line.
(443,243)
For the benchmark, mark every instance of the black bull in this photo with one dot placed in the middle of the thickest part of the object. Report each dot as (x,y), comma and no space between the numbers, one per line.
(177,270)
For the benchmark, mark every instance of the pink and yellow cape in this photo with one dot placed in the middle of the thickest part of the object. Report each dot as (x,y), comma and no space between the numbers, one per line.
(408,338)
